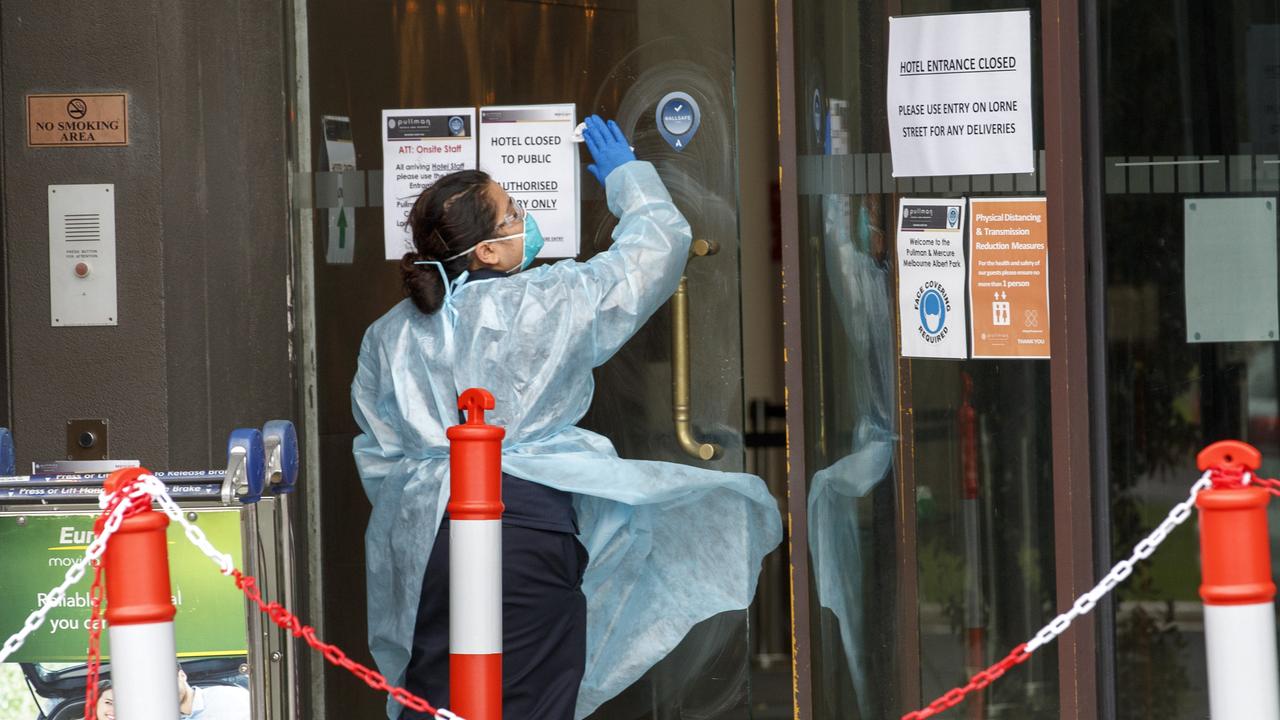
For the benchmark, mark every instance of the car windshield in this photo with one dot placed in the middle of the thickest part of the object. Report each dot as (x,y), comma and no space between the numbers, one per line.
(49,670)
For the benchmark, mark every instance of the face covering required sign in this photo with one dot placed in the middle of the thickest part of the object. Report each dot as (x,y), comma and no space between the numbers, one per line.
(931,278)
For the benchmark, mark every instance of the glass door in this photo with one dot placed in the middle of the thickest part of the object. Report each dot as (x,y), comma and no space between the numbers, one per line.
(928,501)
(674,393)
(1188,256)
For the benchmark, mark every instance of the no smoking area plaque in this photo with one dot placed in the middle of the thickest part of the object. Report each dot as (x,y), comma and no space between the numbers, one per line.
(81,120)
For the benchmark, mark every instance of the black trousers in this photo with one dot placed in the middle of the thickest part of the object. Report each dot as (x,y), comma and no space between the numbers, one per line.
(544,625)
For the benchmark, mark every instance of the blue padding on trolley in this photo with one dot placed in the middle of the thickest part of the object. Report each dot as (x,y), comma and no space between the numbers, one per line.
(284,432)
(256,461)
(8,460)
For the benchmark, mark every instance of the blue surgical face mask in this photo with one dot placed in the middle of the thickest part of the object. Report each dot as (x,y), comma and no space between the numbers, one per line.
(533,243)
(533,240)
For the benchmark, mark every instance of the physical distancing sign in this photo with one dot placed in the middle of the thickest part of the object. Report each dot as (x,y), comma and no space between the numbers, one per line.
(1009,277)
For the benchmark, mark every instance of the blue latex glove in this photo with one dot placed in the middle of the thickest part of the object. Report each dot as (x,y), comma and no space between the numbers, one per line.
(608,146)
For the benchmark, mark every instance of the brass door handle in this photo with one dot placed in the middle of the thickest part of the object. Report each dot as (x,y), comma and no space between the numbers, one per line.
(681,364)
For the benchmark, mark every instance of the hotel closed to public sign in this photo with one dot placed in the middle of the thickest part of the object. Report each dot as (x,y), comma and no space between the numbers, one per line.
(83,120)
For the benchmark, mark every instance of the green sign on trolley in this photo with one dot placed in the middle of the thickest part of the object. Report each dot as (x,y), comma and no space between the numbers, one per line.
(37,550)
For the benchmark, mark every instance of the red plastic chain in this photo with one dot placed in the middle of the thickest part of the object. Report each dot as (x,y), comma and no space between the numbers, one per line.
(285,619)
(249,586)
(1221,477)
(97,596)
(1234,477)
(95,638)
(979,681)
(1271,485)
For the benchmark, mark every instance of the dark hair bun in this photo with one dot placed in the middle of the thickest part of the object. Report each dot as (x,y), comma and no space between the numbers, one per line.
(422,283)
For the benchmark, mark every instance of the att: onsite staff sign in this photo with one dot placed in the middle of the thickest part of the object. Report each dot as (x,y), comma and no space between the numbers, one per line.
(959,94)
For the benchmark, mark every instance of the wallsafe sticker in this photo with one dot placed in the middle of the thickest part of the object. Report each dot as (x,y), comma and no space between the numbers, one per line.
(931,277)
(678,118)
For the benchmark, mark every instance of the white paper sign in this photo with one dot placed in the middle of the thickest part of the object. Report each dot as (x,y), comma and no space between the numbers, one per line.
(340,156)
(529,151)
(931,278)
(419,147)
(959,95)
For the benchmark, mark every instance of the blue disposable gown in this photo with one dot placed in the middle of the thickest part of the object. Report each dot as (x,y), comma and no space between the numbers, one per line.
(670,545)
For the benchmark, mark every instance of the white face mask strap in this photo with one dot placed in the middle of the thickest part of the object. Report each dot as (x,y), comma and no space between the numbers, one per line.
(468,251)
(472,249)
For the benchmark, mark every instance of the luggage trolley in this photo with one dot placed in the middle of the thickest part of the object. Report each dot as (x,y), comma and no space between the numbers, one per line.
(262,471)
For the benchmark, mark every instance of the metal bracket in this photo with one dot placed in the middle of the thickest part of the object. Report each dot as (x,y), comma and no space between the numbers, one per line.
(88,439)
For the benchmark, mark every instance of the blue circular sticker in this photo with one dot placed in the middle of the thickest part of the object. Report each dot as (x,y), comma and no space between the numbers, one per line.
(933,312)
(677,116)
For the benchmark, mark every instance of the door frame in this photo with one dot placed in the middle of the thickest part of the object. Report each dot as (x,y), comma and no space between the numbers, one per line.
(1077,385)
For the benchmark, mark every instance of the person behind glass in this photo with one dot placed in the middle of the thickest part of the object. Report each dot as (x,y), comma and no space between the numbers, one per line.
(211,702)
(473,322)
(105,709)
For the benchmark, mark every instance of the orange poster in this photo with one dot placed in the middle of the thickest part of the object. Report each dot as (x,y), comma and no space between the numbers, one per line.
(1009,277)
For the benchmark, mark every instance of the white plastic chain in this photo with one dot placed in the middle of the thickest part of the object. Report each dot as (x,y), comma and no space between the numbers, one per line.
(1122,569)
(147,486)
(157,490)
(74,573)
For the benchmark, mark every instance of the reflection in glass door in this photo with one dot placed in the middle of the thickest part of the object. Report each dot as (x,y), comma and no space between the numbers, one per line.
(928,508)
(674,393)
(1188,200)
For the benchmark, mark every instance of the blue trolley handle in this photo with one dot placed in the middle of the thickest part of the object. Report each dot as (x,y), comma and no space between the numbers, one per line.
(8,458)
(280,440)
(246,467)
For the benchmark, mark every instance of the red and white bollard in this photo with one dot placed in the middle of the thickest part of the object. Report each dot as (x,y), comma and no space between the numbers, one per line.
(140,611)
(475,562)
(1237,589)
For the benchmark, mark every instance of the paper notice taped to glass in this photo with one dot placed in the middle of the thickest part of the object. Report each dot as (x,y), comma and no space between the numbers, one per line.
(340,157)
(1009,278)
(959,94)
(931,278)
(419,147)
(529,151)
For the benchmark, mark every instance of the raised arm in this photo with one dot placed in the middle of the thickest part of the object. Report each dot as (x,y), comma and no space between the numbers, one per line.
(635,276)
